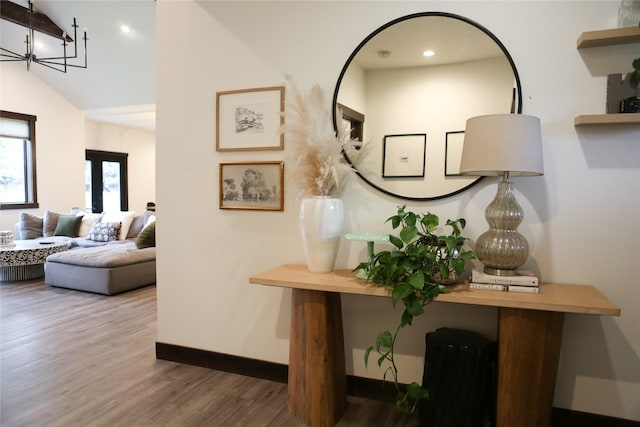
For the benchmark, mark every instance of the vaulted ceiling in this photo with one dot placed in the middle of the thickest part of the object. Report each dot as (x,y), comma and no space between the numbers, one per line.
(119,84)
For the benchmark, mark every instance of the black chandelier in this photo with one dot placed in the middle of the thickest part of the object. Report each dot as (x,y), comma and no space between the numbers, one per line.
(39,22)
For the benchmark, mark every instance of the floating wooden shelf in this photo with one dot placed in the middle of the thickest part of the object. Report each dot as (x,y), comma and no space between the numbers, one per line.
(607,119)
(609,37)
(612,37)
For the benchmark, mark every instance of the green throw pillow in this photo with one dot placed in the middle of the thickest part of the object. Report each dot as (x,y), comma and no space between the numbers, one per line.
(147,237)
(68,225)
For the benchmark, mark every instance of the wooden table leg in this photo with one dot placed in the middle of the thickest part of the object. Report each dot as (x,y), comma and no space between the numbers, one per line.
(528,353)
(317,378)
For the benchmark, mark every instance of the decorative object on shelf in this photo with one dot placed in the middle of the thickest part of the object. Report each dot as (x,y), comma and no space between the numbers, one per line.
(502,145)
(37,22)
(629,13)
(521,281)
(618,89)
(319,171)
(252,185)
(635,74)
(416,271)
(632,103)
(371,239)
(321,225)
(623,95)
(250,119)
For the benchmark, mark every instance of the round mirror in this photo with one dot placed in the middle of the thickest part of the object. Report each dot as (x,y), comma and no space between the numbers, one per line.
(407,91)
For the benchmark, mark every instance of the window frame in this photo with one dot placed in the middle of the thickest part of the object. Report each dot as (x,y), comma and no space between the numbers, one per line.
(29,202)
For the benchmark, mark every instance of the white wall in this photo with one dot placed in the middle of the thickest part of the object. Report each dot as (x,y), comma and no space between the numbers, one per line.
(353,90)
(59,140)
(141,165)
(581,216)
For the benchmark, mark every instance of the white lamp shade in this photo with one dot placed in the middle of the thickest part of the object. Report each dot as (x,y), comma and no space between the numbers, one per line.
(499,143)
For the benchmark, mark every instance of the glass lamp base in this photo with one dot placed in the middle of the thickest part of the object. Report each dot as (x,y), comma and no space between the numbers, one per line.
(501,249)
(499,271)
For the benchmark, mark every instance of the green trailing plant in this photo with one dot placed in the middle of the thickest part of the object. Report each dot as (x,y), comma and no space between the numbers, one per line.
(416,271)
(634,79)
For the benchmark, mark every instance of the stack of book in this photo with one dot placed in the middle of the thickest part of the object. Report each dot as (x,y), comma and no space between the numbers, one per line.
(523,281)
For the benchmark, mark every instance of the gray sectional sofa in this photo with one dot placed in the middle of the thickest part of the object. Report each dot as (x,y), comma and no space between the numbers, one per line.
(91,265)
(117,267)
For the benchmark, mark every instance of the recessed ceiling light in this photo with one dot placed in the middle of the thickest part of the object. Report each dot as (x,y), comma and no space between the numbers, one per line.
(125,29)
(428,53)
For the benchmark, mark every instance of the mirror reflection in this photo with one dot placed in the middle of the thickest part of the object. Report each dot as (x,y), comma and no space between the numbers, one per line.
(408,90)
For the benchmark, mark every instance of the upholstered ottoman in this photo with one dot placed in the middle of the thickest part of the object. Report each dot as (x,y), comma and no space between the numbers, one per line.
(111,269)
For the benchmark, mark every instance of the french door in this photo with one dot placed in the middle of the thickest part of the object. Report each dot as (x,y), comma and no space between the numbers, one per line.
(106,181)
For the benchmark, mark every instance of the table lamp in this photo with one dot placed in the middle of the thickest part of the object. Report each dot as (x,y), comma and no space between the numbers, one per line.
(502,145)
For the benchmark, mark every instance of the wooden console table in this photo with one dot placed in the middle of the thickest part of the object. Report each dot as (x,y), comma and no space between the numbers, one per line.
(529,339)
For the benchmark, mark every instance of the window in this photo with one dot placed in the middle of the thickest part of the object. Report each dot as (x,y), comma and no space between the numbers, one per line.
(105,181)
(17,161)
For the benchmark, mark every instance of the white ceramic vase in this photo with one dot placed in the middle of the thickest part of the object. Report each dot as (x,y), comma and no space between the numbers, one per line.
(321,224)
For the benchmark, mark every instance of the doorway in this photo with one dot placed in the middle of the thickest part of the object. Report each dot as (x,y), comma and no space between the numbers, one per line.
(106,181)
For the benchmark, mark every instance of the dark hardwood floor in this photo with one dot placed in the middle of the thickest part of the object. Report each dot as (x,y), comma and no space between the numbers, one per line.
(71,358)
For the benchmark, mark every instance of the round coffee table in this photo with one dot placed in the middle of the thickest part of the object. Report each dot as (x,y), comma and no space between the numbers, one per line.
(24,259)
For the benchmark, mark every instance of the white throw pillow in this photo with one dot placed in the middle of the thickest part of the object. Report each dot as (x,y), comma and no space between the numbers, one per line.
(124,217)
(88,219)
(152,218)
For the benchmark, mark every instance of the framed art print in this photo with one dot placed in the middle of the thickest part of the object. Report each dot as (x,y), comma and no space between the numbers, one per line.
(403,156)
(250,119)
(252,185)
(453,152)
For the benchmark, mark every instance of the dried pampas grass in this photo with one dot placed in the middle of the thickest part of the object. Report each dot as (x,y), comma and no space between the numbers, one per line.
(319,167)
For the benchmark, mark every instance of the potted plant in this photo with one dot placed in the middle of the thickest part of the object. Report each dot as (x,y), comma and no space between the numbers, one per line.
(632,104)
(417,271)
(635,74)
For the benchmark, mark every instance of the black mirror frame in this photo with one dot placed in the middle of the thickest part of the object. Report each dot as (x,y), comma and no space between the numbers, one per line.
(518,109)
